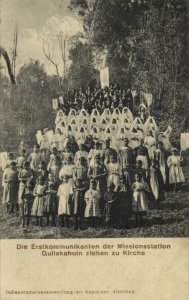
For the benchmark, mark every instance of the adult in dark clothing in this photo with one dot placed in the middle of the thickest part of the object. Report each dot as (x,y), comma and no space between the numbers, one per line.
(141,153)
(107,152)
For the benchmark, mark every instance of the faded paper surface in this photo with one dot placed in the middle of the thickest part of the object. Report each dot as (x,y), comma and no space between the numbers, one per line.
(159,274)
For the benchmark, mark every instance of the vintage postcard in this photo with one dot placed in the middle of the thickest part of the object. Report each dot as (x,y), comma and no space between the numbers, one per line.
(94,149)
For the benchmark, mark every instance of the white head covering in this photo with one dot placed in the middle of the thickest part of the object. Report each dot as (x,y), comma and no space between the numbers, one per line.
(84,122)
(150,124)
(116,111)
(126,112)
(121,132)
(72,114)
(142,106)
(114,123)
(95,132)
(106,115)
(83,113)
(59,117)
(137,123)
(103,124)
(95,113)
(108,130)
(106,112)
(81,135)
(168,131)
(126,123)
(69,130)
(94,121)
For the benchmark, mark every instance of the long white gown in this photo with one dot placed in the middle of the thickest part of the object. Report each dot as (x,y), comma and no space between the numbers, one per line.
(140,198)
(175,170)
(64,192)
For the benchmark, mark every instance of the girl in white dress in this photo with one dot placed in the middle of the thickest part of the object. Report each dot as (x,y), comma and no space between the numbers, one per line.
(95,113)
(150,144)
(127,113)
(80,153)
(93,152)
(35,158)
(68,170)
(81,135)
(44,143)
(59,117)
(175,169)
(95,133)
(126,123)
(120,137)
(65,192)
(140,198)
(106,114)
(92,199)
(39,200)
(150,124)
(58,140)
(114,173)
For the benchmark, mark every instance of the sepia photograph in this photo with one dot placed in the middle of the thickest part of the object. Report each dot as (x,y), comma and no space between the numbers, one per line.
(94,119)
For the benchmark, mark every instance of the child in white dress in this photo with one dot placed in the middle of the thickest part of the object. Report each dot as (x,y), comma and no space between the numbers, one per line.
(92,199)
(114,173)
(65,192)
(175,169)
(35,158)
(39,200)
(140,198)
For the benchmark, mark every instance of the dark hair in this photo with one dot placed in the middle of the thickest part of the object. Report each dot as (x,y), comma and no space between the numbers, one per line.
(26,163)
(41,177)
(139,175)
(82,157)
(36,145)
(112,185)
(42,162)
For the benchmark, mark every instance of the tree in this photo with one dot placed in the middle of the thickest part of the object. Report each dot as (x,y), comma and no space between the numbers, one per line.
(5,55)
(82,71)
(147,44)
(30,105)
(109,25)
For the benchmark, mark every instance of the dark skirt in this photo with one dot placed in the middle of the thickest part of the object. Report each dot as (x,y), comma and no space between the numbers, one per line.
(78,204)
(26,205)
(110,209)
(10,193)
(51,205)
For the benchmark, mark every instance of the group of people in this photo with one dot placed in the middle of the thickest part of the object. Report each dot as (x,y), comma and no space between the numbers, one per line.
(114,126)
(91,98)
(102,162)
(89,181)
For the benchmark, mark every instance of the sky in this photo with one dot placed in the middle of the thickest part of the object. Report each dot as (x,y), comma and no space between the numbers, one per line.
(37,20)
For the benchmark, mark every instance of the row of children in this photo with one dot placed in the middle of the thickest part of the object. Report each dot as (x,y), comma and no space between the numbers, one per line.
(107,168)
(47,199)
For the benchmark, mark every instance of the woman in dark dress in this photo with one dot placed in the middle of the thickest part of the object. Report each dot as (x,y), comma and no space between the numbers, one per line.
(110,199)
(78,203)
(51,202)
